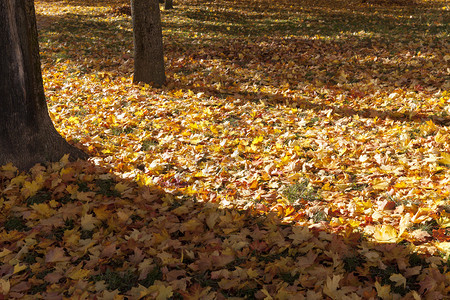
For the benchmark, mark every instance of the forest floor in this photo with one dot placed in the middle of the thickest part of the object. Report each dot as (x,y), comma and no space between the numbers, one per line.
(300,149)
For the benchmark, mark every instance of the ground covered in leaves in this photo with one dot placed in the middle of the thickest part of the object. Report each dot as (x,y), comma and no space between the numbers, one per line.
(300,149)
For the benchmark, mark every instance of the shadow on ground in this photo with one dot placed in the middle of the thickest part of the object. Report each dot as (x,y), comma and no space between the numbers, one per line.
(75,229)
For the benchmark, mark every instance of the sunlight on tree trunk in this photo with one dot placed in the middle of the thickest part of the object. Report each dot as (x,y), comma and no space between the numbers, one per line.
(27,134)
(148,45)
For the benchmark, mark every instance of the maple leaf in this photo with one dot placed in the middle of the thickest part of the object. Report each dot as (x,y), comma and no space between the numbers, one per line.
(5,286)
(198,292)
(56,254)
(399,279)
(300,235)
(162,292)
(89,222)
(386,234)
(332,285)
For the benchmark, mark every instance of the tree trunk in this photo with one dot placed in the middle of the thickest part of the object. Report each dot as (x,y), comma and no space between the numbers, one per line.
(168,4)
(148,45)
(27,134)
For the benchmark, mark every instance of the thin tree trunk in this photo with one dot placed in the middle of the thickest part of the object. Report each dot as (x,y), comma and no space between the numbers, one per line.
(27,134)
(148,45)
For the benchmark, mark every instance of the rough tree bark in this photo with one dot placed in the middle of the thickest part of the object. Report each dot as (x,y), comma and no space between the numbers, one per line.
(148,45)
(27,134)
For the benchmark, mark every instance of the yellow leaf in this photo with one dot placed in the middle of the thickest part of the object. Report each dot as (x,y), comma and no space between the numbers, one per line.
(254,184)
(43,209)
(181,210)
(5,286)
(421,215)
(252,273)
(18,268)
(398,279)
(332,285)
(30,188)
(74,120)
(5,252)
(19,180)
(445,160)
(79,274)
(444,247)
(382,185)
(384,292)
(444,220)
(257,140)
(64,160)
(166,258)
(266,292)
(265,176)
(138,292)
(405,221)
(163,291)
(71,237)
(89,222)
(386,234)
(101,213)
(354,223)
(439,137)
(9,167)
(121,187)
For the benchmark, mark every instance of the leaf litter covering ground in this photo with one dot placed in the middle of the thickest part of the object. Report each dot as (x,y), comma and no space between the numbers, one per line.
(299,150)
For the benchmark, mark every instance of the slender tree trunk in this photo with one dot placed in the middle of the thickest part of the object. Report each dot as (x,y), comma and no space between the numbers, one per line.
(27,134)
(148,45)
(168,4)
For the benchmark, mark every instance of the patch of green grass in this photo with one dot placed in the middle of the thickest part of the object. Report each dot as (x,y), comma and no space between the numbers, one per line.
(86,234)
(83,187)
(106,187)
(116,130)
(148,144)
(15,223)
(40,197)
(58,232)
(427,226)
(152,276)
(289,277)
(38,288)
(122,281)
(301,191)
(30,257)
(320,216)
(417,260)
(204,280)
(66,198)
(352,262)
